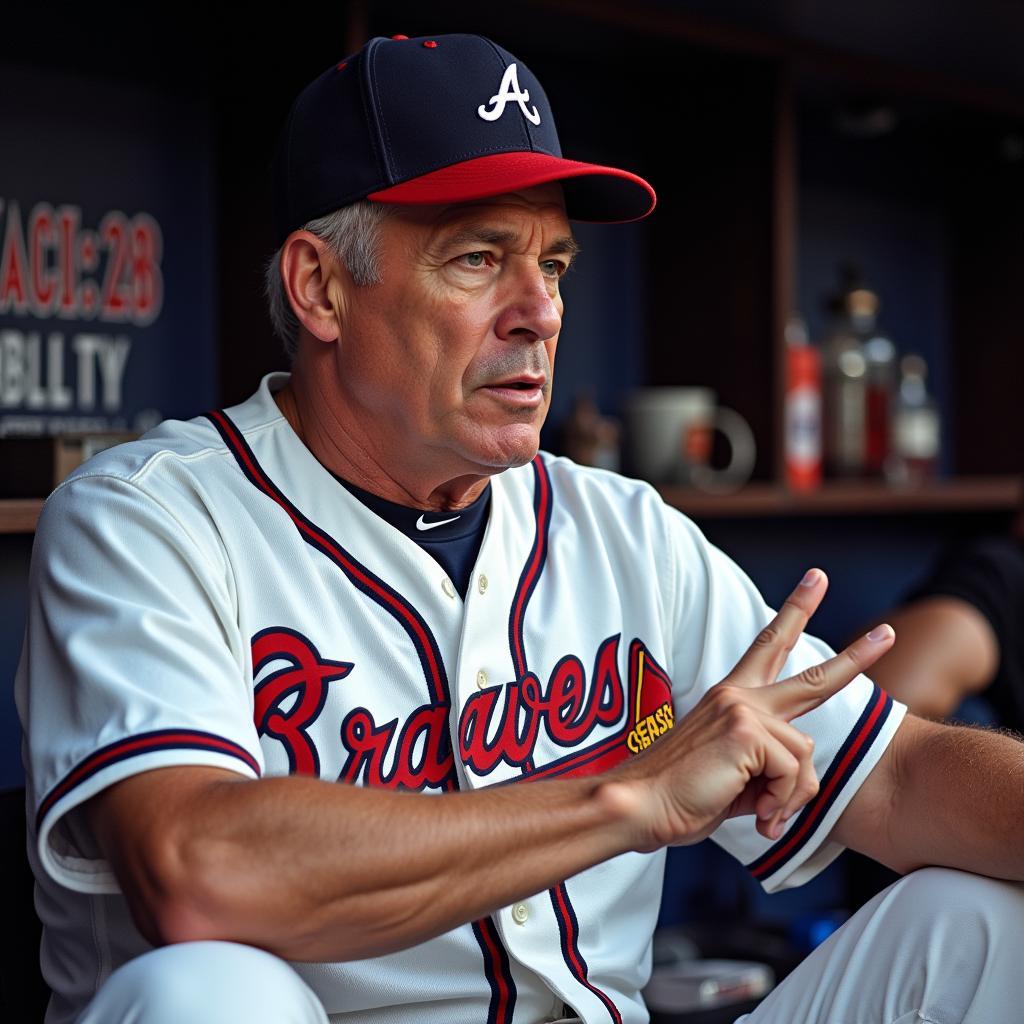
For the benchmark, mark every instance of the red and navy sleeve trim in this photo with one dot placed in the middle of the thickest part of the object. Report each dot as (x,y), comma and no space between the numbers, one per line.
(134,746)
(839,773)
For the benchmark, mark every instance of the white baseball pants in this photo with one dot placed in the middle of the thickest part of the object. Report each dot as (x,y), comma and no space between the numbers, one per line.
(937,947)
(205,983)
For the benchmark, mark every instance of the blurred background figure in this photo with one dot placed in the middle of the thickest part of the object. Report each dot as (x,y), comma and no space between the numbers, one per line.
(959,635)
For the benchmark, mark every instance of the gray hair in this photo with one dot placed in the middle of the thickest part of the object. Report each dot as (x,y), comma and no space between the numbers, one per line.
(353,234)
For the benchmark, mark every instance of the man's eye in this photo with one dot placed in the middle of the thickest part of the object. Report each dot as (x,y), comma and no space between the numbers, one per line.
(554,268)
(473,257)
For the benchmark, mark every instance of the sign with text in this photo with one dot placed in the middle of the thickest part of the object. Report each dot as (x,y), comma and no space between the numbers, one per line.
(106,255)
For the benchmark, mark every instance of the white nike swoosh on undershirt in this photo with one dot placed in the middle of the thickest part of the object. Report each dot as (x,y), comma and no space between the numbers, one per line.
(420,525)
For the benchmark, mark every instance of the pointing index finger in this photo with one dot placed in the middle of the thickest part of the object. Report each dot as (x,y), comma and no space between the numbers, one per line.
(764,659)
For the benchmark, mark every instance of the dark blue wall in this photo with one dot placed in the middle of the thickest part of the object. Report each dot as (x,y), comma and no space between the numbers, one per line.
(601,347)
(880,204)
(96,146)
(14,558)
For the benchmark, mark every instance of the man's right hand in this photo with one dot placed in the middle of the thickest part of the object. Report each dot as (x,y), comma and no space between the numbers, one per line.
(736,752)
(190,845)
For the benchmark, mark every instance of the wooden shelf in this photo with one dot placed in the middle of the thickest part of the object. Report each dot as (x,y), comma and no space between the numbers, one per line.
(964,494)
(19,515)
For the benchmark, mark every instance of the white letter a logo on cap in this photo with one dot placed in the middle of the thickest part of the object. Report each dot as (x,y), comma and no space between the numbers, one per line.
(509,90)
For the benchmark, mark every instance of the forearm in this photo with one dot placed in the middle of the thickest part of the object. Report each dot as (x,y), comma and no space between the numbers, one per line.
(959,798)
(314,870)
(320,871)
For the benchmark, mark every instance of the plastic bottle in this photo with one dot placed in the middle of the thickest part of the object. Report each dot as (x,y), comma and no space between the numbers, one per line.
(802,409)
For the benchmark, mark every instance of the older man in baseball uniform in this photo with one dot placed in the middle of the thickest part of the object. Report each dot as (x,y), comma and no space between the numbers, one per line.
(347,704)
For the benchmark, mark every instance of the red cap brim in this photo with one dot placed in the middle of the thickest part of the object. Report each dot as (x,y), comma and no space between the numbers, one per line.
(592,192)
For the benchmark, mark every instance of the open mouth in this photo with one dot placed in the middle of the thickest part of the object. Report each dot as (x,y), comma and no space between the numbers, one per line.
(520,384)
(526,393)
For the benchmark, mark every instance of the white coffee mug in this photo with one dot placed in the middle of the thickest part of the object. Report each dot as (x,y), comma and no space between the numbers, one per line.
(669,438)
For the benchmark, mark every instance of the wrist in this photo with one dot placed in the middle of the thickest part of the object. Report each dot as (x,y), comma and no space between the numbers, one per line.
(620,804)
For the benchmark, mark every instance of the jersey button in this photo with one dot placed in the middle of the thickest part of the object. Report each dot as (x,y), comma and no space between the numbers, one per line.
(482,583)
(481,679)
(520,913)
(448,587)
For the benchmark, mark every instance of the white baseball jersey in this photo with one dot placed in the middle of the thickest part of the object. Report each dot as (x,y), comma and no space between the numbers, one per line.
(211,595)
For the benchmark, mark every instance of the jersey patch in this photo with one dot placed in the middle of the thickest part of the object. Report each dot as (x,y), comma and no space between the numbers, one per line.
(648,706)
(654,714)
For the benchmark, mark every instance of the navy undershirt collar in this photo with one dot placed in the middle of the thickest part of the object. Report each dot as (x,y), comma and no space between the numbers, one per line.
(452,538)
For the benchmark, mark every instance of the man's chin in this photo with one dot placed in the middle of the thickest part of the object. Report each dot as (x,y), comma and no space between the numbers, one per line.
(512,460)
(517,448)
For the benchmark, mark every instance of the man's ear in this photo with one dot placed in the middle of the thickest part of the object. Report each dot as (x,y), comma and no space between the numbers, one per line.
(307,265)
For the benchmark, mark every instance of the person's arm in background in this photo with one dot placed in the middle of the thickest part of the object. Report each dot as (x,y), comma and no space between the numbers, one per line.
(950,795)
(958,632)
(945,651)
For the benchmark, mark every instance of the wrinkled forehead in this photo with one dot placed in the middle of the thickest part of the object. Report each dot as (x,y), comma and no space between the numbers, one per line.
(536,213)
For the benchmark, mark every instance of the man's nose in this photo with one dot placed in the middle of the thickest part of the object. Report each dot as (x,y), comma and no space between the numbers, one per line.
(532,310)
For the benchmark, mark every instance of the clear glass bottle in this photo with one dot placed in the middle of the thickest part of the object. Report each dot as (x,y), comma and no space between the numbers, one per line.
(845,392)
(880,392)
(916,426)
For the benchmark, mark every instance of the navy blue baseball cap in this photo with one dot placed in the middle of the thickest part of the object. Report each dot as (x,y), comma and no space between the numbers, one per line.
(433,119)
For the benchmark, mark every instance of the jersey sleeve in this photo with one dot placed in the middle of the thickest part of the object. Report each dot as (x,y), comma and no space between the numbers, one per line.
(717,613)
(132,661)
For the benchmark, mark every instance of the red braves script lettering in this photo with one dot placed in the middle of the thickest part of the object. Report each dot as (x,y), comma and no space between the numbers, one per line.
(369,746)
(303,681)
(502,724)
(566,707)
